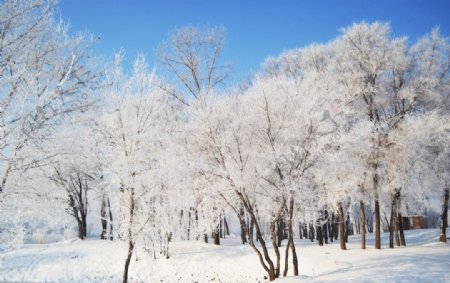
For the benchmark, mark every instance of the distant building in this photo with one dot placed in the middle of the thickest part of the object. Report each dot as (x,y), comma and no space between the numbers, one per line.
(415,222)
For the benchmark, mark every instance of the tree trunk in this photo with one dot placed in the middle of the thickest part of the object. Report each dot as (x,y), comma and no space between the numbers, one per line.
(103,220)
(130,237)
(347,226)
(362,221)
(280,231)
(81,230)
(270,269)
(300,232)
(336,227)
(221,230)
(400,226)
(397,219)
(311,231)
(225,224)
(111,228)
(319,233)
(168,240)
(242,223)
(391,223)
(286,259)
(290,243)
(264,257)
(377,225)
(216,237)
(127,261)
(377,208)
(305,230)
(196,220)
(250,232)
(189,224)
(396,231)
(330,228)
(275,248)
(341,226)
(444,218)
(291,235)
(325,227)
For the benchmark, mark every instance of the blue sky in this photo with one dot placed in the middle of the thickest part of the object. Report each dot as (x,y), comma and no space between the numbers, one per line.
(255,29)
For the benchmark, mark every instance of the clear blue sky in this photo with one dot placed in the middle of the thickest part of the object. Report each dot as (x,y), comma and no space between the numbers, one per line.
(255,29)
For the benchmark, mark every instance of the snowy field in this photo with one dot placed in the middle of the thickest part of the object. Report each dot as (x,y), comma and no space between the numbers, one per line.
(423,260)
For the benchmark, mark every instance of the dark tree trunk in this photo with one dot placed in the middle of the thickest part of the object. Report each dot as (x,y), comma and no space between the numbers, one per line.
(394,221)
(216,236)
(347,226)
(127,261)
(250,232)
(196,219)
(111,227)
(325,233)
(291,242)
(221,230)
(225,224)
(243,224)
(325,227)
(264,256)
(400,220)
(82,229)
(396,231)
(273,231)
(305,230)
(205,237)
(300,232)
(319,233)
(377,209)
(189,224)
(397,219)
(377,225)
(369,220)
(286,259)
(311,231)
(362,223)
(103,220)
(336,227)
(168,240)
(280,231)
(181,222)
(130,237)
(270,267)
(391,222)
(341,226)
(400,226)
(330,228)
(444,217)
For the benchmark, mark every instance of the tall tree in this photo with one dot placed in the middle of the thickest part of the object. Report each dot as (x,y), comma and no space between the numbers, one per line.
(46,75)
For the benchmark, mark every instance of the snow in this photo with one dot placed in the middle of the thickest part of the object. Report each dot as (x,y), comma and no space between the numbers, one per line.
(92,260)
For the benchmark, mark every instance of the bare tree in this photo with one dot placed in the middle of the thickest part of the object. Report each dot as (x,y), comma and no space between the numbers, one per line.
(77,185)
(192,56)
(45,75)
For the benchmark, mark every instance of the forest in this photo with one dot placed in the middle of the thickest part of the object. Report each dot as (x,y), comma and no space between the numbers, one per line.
(348,138)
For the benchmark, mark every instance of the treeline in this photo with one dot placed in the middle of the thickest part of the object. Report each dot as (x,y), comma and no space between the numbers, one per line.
(324,140)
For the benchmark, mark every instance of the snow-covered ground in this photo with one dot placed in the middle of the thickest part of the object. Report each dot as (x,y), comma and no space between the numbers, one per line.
(423,260)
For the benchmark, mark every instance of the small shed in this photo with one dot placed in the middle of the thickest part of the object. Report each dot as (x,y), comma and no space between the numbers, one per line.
(414,222)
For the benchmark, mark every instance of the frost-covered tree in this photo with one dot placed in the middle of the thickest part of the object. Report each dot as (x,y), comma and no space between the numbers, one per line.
(192,57)
(45,75)
(135,128)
